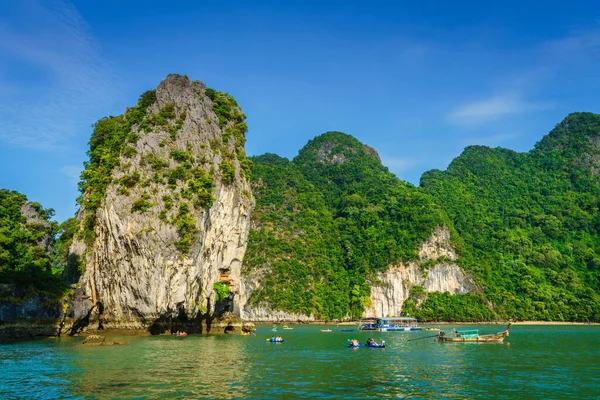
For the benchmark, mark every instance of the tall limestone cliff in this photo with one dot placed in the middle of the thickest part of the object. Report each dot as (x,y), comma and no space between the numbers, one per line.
(165,213)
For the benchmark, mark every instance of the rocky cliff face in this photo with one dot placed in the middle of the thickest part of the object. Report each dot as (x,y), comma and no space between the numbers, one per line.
(31,212)
(174,222)
(253,280)
(24,316)
(434,271)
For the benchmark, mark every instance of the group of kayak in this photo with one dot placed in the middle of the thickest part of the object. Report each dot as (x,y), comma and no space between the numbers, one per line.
(354,344)
(278,339)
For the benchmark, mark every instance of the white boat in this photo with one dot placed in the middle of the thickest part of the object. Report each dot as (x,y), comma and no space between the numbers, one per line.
(389,324)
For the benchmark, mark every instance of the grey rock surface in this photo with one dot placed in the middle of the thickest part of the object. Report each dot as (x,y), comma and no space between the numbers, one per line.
(393,286)
(135,277)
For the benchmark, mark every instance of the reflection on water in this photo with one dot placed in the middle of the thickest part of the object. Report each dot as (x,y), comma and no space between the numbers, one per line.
(190,367)
(541,362)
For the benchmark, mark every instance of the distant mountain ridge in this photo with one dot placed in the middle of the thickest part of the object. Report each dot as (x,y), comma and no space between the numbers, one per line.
(368,221)
(530,221)
(524,227)
(178,227)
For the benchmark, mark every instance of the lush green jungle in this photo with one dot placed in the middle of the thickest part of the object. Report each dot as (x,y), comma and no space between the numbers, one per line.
(526,226)
(27,246)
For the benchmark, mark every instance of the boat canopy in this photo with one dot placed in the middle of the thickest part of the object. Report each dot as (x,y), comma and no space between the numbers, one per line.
(396,319)
(467,331)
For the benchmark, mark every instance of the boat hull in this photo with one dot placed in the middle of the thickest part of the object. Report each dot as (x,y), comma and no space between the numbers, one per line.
(494,338)
(478,339)
(396,329)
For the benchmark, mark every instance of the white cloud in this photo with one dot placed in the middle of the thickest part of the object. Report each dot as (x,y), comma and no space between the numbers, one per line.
(568,55)
(72,172)
(54,78)
(397,164)
(493,107)
(580,42)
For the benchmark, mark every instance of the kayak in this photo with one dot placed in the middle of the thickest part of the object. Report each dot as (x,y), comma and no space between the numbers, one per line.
(355,347)
(376,346)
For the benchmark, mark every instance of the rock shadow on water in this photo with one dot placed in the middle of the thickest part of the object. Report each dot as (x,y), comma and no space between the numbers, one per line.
(98,340)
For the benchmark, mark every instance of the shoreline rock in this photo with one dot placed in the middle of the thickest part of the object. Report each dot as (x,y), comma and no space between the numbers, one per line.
(97,340)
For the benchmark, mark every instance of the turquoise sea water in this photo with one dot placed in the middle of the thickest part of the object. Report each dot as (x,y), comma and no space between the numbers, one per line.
(534,362)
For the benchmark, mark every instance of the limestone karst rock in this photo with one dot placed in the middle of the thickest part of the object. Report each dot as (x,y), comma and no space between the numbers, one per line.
(162,247)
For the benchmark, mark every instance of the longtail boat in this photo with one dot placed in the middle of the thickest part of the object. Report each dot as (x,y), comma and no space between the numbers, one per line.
(472,335)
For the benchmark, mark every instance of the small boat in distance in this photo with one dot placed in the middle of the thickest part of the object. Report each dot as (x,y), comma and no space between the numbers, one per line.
(287,328)
(472,335)
(373,344)
(325,330)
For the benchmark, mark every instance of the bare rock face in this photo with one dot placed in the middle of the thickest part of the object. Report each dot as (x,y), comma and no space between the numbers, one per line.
(392,287)
(33,217)
(23,316)
(253,280)
(326,155)
(266,314)
(435,271)
(174,221)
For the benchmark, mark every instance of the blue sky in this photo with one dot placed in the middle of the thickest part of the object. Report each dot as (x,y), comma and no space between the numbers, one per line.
(418,81)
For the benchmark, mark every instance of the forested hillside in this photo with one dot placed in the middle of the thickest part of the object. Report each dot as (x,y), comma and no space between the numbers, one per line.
(26,243)
(525,227)
(530,222)
(324,221)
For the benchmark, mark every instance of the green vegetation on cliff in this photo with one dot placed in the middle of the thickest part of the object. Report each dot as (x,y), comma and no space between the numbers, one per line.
(326,221)
(109,138)
(295,236)
(530,222)
(26,244)
(188,168)
(526,227)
